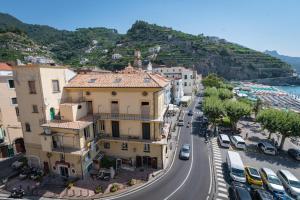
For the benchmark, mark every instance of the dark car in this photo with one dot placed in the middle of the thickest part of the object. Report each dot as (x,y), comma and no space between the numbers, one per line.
(190,113)
(294,153)
(260,194)
(239,191)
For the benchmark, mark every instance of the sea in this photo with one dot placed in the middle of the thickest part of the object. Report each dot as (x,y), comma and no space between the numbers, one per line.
(295,90)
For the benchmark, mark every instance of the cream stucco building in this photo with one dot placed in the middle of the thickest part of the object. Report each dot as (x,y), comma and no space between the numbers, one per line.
(91,115)
(11,136)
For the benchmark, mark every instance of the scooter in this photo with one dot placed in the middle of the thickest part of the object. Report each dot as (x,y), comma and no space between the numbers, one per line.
(17,193)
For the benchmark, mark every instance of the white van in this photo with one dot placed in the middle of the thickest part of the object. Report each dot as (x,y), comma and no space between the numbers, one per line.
(224,140)
(235,167)
(238,142)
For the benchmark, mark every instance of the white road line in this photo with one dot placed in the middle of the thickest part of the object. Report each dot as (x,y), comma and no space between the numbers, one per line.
(190,170)
(218,167)
(218,164)
(222,195)
(223,189)
(219,171)
(218,161)
(221,179)
(210,185)
(220,175)
(222,184)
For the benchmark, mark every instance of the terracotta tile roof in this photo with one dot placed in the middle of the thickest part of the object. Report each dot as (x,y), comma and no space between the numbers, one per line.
(118,80)
(76,125)
(5,67)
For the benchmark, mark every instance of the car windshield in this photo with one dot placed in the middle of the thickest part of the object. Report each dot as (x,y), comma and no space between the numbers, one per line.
(185,150)
(226,142)
(295,184)
(274,180)
(238,172)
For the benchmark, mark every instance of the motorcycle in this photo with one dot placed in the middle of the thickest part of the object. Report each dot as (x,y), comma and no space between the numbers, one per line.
(17,193)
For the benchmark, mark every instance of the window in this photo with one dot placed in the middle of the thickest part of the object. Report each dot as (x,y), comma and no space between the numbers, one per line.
(190,84)
(177,83)
(125,146)
(17,111)
(62,156)
(185,83)
(14,101)
(27,127)
(146,131)
(146,147)
(101,126)
(31,85)
(55,85)
(86,132)
(11,83)
(106,145)
(35,109)
(191,76)
(185,76)
(97,147)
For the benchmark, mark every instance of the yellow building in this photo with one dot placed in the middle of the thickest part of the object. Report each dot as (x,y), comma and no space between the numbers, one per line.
(120,115)
(11,136)
(39,89)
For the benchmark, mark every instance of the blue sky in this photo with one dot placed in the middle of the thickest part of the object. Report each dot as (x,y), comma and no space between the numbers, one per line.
(258,24)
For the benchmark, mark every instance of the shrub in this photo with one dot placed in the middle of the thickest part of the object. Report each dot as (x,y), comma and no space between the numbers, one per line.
(114,188)
(131,182)
(98,189)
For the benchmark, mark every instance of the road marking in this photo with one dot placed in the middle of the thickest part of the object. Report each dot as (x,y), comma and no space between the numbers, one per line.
(218,167)
(191,166)
(222,184)
(222,195)
(210,185)
(219,171)
(220,175)
(223,189)
(221,179)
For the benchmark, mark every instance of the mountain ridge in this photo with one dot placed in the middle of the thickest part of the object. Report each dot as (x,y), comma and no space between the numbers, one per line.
(293,61)
(111,50)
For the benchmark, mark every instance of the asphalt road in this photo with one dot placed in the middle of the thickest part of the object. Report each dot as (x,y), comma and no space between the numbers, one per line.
(188,179)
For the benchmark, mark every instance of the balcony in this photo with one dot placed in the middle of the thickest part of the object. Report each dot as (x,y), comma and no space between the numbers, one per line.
(121,116)
(70,150)
(73,100)
(130,138)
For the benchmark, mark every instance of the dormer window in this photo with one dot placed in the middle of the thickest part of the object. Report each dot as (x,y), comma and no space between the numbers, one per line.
(92,80)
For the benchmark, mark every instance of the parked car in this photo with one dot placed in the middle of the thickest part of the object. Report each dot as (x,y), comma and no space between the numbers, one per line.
(294,153)
(17,164)
(25,173)
(235,166)
(260,194)
(240,191)
(253,176)
(224,141)
(238,142)
(17,193)
(267,148)
(271,181)
(185,152)
(190,113)
(36,173)
(290,182)
(180,122)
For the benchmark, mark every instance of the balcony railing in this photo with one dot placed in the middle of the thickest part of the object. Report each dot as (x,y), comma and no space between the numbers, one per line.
(73,100)
(130,138)
(121,116)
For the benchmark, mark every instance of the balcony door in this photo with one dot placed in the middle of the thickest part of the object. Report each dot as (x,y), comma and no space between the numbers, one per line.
(146,131)
(145,109)
(89,105)
(115,107)
(115,129)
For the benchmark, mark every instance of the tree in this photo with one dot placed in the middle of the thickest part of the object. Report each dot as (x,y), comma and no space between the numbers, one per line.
(225,93)
(211,91)
(235,110)
(212,80)
(287,123)
(214,110)
(267,118)
(257,106)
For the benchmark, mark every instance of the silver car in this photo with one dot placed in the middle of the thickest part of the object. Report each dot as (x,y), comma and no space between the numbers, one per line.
(290,182)
(185,152)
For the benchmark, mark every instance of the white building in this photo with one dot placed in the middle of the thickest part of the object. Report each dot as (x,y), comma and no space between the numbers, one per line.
(177,91)
(188,76)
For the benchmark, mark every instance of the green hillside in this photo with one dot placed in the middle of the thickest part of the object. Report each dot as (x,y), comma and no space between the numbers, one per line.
(160,45)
